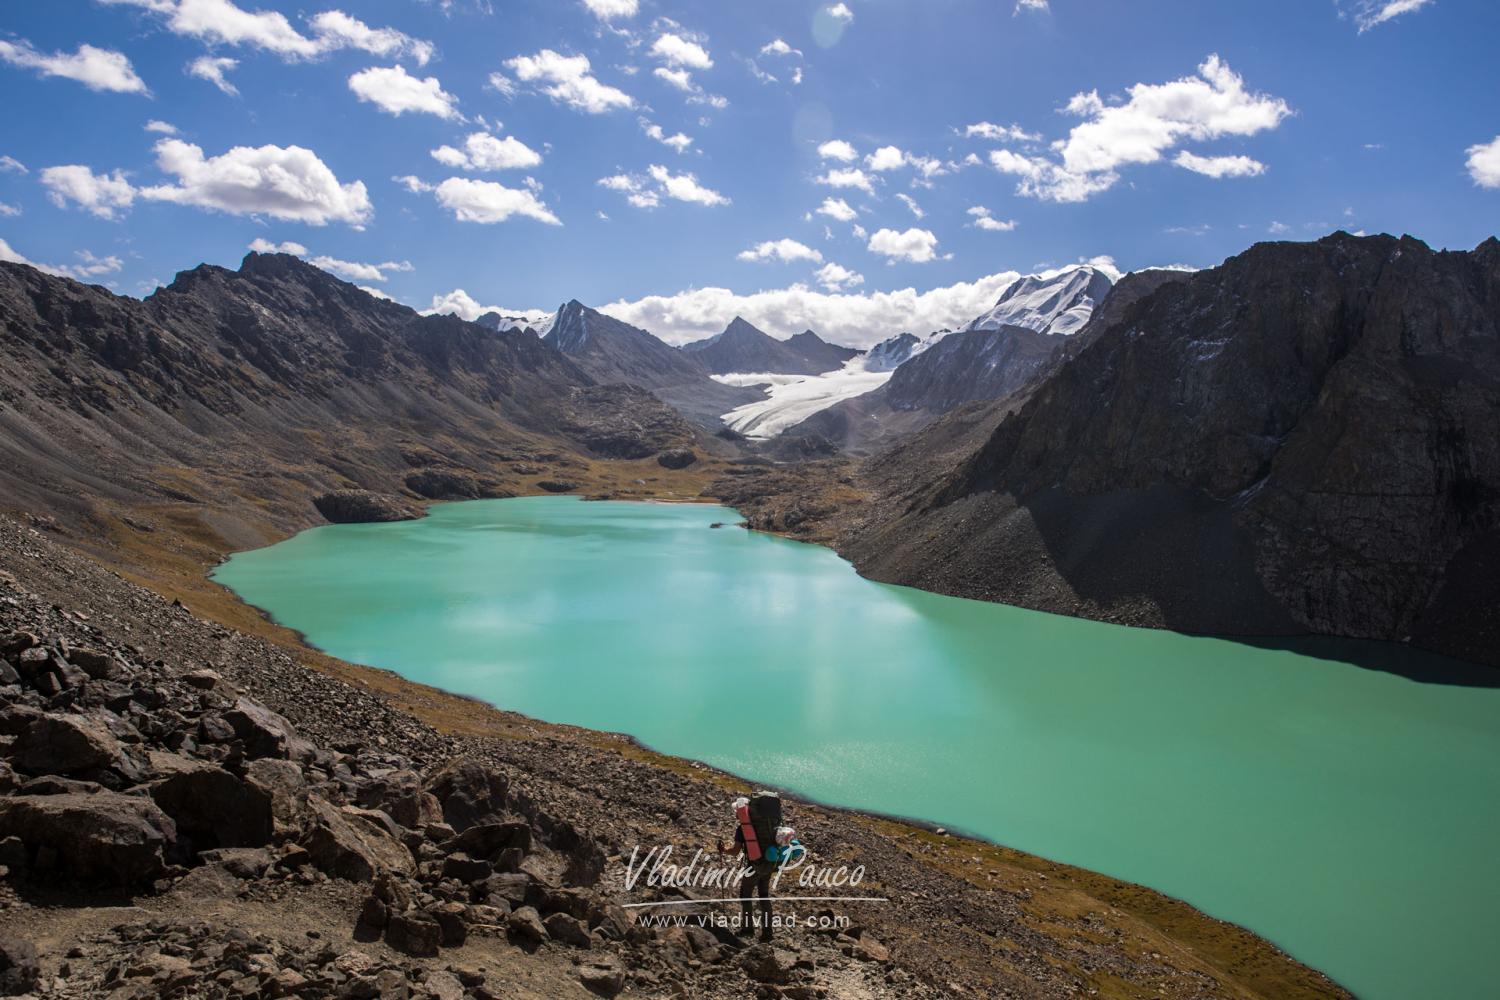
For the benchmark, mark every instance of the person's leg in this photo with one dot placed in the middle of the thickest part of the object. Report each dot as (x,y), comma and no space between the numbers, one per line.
(747,886)
(763,885)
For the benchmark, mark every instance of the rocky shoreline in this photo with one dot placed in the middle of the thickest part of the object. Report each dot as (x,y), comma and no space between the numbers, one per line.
(201,814)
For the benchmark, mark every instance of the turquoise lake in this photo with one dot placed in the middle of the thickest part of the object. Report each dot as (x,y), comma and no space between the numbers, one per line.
(1350,815)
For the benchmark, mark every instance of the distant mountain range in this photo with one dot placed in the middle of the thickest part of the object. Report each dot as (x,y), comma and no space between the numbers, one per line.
(743,348)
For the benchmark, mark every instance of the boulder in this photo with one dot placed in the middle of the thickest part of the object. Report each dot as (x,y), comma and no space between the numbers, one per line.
(568,929)
(364,506)
(527,925)
(766,964)
(401,794)
(489,839)
(676,458)
(264,733)
(602,976)
(213,807)
(341,843)
(469,791)
(414,933)
(98,665)
(283,781)
(104,838)
(20,971)
(65,744)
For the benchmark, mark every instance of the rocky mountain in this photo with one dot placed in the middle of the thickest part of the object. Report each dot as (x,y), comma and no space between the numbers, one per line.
(1306,438)
(1055,304)
(496,321)
(992,357)
(743,348)
(263,386)
(612,351)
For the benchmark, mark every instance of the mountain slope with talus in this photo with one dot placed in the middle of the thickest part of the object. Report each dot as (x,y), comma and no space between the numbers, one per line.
(270,384)
(1304,439)
(742,347)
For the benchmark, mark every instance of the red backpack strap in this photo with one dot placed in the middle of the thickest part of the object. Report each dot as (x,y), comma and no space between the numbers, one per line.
(747,830)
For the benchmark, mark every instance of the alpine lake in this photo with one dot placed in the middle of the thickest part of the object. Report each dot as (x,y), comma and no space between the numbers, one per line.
(1350,815)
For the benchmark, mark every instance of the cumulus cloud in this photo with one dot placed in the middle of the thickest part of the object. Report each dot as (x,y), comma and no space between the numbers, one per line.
(394,91)
(103,195)
(837,208)
(886,158)
(355,271)
(1369,13)
(463,305)
(911,204)
(680,141)
(1219,166)
(163,128)
(779,47)
(488,202)
(567,80)
(1484,163)
(284,182)
(685,187)
(608,10)
(1150,122)
(220,22)
(918,246)
(678,50)
(850,177)
(635,189)
(88,266)
(984,220)
(95,68)
(835,277)
(483,151)
(261,245)
(838,149)
(679,78)
(998,133)
(840,12)
(213,69)
(785,250)
(860,319)
(1038,6)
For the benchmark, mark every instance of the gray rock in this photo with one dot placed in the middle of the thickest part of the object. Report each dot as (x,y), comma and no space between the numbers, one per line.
(104,838)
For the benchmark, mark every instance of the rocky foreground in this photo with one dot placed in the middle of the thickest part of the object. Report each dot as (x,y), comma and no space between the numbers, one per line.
(186,810)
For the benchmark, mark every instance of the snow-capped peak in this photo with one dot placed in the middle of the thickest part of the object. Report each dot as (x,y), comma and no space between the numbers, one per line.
(1060,304)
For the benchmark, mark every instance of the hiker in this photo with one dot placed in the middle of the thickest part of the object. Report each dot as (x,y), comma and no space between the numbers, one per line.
(765,843)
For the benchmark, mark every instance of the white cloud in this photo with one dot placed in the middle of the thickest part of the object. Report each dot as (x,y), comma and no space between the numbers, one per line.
(287,182)
(483,151)
(220,22)
(679,78)
(566,79)
(914,245)
(680,141)
(779,47)
(356,271)
(1040,6)
(1369,13)
(260,245)
(1219,166)
(676,50)
(488,202)
(608,10)
(835,277)
(635,189)
(911,203)
(1155,118)
(858,231)
(103,195)
(685,187)
(850,177)
(838,149)
(463,305)
(859,319)
(9,211)
(1484,163)
(840,12)
(999,133)
(886,158)
(164,128)
(96,69)
(213,69)
(785,250)
(9,164)
(984,220)
(1278,228)
(88,265)
(837,208)
(394,91)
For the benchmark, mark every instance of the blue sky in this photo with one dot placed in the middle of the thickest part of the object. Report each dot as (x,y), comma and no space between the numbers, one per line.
(1027,135)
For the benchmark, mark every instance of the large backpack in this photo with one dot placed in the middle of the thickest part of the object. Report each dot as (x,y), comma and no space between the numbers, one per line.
(765,816)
